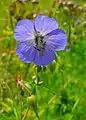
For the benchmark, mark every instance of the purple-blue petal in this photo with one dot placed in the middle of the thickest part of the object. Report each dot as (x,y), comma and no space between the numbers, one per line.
(56,31)
(24,30)
(26,52)
(56,40)
(44,24)
(44,58)
(38,23)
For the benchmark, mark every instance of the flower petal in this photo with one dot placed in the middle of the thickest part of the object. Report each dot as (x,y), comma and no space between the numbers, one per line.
(44,24)
(24,30)
(26,52)
(44,58)
(56,40)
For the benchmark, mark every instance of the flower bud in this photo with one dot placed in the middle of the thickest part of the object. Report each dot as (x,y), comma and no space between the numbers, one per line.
(32,100)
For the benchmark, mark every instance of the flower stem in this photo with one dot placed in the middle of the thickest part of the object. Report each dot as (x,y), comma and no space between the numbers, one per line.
(11,22)
(36,113)
(25,114)
(26,72)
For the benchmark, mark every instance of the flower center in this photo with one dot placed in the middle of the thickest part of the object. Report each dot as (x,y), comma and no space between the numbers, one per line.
(39,42)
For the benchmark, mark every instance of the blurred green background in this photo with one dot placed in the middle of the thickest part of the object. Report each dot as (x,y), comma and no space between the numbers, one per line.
(54,92)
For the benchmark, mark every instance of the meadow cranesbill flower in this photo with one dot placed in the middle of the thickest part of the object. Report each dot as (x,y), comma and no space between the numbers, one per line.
(38,40)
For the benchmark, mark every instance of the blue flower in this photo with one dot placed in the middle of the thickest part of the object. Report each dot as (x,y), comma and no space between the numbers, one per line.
(39,39)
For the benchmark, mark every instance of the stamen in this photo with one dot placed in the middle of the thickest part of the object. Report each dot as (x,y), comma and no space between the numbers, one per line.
(39,42)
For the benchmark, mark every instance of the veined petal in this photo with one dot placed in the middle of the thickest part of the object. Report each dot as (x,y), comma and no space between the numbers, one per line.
(26,52)
(45,57)
(44,24)
(56,40)
(38,23)
(24,30)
